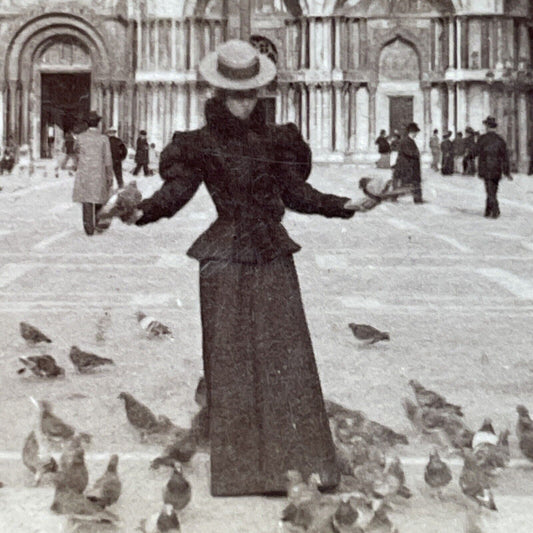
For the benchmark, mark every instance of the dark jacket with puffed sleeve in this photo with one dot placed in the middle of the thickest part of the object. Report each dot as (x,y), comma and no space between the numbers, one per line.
(253,171)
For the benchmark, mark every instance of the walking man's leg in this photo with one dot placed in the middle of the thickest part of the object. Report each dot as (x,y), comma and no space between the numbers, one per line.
(494,197)
(136,169)
(89,217)
(146,170)
(117,169)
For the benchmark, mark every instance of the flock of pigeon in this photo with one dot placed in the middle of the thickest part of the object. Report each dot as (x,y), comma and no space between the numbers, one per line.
(372,482)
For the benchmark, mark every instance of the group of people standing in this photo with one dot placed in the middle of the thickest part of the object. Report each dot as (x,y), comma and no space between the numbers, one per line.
(457,156)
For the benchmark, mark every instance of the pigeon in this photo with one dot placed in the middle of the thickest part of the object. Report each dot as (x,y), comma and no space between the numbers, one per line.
(165,521)
(142,418)
(182,449)
(344,520)
(371,335)
(334,409)
(524,432)
(31,334)
(437,473)
(395,469)
(37,460)
(200,395)
(485,434)
(86,361)
(72,466)
(429,399)
(52,426)
(298,491)
(491,456)
(374,188)
(153,327)
(122,203)
(474,482)
(106,489)
(43,366)
(70,502)
(177,491)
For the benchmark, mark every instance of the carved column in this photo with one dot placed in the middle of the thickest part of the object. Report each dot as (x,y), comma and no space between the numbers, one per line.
(284,91)
(352,114)
(304,112)
(141,122)
(25,103)
(426,93)
(312,43)
(2,112)
(451,107)
(326,44)
(338,125)
(522,132)
(372,89)
(140,63)
(116,106)
(181,115)
(13,109)
(362,114)
(167,134)
(452,44)
(337,27)
(462,108)
(303,42)
(327,118)
(291,104)
(148,65)
(363,42)
(193,105)
(157,47)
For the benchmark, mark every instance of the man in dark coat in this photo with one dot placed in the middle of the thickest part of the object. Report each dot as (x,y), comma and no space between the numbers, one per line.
(141,154)
(407,170)
(493,161)
(446,147)
(458,151)
(384,150)
(118,154)
(469,160)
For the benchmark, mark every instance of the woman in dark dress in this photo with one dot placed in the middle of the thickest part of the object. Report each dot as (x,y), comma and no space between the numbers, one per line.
(266,409)
(446,147)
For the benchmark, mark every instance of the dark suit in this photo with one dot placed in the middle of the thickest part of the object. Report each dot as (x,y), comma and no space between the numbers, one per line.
(493,161)
(118,153)
(407,169)
(141,156)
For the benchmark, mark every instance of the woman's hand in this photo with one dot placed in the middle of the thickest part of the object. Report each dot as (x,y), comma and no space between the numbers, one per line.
(366,204)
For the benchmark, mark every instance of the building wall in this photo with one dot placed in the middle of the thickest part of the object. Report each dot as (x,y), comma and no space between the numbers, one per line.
(338,61)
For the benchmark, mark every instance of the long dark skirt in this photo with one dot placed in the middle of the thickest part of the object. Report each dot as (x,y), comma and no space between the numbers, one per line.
(266,410)
(447,164)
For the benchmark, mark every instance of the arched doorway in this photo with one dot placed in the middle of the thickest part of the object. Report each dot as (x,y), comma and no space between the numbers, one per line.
(55,65)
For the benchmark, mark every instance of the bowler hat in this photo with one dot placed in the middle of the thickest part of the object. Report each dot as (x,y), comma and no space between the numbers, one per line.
(412,127)
(236,65)
(447,135)
(469,130)
(93,116)
(490,122)
(142,132)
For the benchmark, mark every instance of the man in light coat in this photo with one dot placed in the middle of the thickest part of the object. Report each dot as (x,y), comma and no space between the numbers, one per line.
(94,177)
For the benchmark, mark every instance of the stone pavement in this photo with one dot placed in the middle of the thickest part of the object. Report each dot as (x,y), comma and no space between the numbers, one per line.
(454,290)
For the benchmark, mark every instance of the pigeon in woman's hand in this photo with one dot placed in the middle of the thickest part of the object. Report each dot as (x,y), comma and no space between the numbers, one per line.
(36,458)
(31,334)
(153,327)
(367,333)
(437,474)
(106,489)
(379,189)
(524,432)
(43,366)
(86,361)
(122,203)
(177,491)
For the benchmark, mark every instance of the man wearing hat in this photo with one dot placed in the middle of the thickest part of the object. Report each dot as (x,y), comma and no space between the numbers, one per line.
(469,160)
(446,147)
(434,146)
(493,161)
(142,157)
(118,154)
(94,176)
(407,169)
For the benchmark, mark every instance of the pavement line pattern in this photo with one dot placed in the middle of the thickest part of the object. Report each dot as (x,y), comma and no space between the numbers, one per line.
(53,238)
(436,209)
(452,242)
(519,287)
(59,209)
(506,236)
(11,271)
(402,224)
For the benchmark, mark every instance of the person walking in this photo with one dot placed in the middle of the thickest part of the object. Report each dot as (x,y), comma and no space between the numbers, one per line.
(70,149)
(434,146)
(469,160)
(141,154)
(493,161)
(407,170)
(118,154)
(394,142)
(458,152)
(9,156)
(446,147)
(264,398)
(384,150)
(94,176)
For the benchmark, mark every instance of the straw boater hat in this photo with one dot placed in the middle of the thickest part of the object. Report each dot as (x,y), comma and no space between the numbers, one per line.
(111,129)
(236,65)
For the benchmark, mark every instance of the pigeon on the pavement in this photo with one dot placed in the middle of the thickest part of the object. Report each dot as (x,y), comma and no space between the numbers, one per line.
(142,418)
(182,449)
(177,491)
(492,456)
(153,327)
(106,489)
(429,399)
(165,521)
(32,335)
(367,333)
(485,434)
(43,366)
(200,394)
(86,361)
(437,473)
(524,431)
(72,465)
(52,426)
(395,469)
(475,483)
(344,520)
(36,458)
(76,505)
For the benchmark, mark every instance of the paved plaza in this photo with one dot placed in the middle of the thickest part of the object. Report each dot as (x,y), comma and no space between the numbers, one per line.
(455,291)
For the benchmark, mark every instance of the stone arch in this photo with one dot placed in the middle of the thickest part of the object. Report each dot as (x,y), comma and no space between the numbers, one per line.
(398,61)
(21,50)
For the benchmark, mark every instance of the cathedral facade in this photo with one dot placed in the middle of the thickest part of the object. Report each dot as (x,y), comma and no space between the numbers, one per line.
(346,68)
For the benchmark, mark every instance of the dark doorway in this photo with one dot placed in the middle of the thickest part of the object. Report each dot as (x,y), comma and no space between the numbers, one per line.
(65,101)
(400,112)
(269,108)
